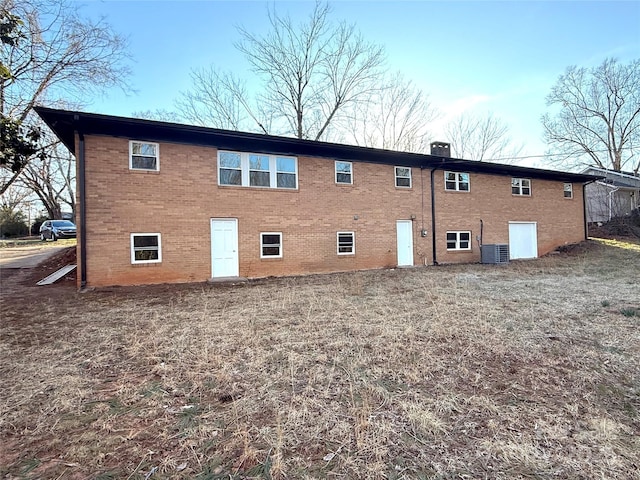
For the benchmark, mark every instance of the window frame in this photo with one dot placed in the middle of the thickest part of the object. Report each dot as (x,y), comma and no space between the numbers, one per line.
(457,181)
(263,245)
(565,191)
(350,182)
(397,177)
(260,170)
(133,248)
(245,170)
(520,186)
(353,243)
(458,240)
(131,154)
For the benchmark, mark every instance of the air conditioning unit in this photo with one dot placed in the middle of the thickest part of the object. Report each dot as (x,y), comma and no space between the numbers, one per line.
(495,253)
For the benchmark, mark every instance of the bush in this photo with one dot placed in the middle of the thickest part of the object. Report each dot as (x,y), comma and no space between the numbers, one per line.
(35,228)
(12,224)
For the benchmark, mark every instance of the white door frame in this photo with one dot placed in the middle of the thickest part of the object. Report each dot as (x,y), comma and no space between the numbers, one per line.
(535,243)
(232,267)
(404,243)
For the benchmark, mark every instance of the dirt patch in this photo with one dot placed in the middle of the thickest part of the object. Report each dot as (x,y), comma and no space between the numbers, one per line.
(581,248)
(20,283)
(618,228)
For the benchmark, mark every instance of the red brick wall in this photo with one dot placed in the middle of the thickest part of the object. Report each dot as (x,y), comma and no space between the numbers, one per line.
(180,200)
(559,220)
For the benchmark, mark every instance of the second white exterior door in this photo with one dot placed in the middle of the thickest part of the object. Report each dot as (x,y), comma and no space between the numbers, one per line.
(404,231)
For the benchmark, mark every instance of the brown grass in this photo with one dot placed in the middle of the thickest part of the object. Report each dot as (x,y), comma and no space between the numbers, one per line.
(460,372)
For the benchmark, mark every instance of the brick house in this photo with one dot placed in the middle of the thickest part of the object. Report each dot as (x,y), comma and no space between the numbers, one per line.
(161,202)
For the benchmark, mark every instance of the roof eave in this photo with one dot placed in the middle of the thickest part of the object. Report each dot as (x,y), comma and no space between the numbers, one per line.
(65,124)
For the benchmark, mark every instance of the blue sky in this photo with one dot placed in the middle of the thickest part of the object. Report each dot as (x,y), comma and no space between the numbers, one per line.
(469,56)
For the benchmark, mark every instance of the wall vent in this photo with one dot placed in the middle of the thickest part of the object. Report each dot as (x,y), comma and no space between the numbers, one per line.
(495,253)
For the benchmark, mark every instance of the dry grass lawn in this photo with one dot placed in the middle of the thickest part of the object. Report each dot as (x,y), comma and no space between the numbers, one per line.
(529,370)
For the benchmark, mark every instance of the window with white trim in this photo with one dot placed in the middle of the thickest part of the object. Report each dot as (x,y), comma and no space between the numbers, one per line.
(144,156)
(286,172)
(271,245)
(568,190)
(346,243)
(344,172)
(521,186)
(257,170)
(403,177)
(259,175)
(456,181)
(459,240)
(146,248)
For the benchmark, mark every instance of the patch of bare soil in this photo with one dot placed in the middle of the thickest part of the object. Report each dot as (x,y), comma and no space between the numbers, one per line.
(527,370)
(20,282)
(618,228)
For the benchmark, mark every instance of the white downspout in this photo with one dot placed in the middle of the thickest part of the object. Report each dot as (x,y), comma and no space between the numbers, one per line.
(611,202)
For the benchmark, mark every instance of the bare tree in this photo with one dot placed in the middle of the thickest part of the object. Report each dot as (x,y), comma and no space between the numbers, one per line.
(52,179)
(597,121)
(14,197)
(309,74)
(218,99)
(159,114)
(395,116)
(481,138)
(57,55)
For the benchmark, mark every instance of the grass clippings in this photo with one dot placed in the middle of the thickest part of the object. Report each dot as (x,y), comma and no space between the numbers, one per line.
(528,370)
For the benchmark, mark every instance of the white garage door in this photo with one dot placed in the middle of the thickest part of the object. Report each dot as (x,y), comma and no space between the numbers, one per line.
(523,240)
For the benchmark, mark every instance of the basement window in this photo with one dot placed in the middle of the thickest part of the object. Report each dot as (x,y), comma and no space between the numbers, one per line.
(403,177)
(521,186)
(146,248)
(144,156)
(271,245)
(568,190)
(344,172)
(346,243)
(458,240)
(456,182)
(257,170)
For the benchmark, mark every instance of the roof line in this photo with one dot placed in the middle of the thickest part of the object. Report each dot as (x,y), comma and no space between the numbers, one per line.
(614,172)
(65,124)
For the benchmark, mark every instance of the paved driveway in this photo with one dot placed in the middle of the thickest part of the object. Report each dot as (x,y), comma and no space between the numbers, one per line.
(27,256)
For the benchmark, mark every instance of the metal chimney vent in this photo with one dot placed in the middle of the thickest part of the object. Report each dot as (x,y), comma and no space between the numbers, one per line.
(495,253)
(441,149)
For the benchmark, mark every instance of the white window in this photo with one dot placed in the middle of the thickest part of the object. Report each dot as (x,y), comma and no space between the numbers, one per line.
(344,172)
(271,245)
(458,240)
(403,177)
(259,175)
(568,190)
(521,186)
(346,243)
(144,156)
(257,170)
(455,181)
(286,172)
(146,248)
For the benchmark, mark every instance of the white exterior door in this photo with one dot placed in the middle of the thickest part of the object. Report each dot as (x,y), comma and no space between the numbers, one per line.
(405,242)
(224,247)
(523,240)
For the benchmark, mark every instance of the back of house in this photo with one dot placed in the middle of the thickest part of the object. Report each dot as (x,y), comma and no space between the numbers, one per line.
(161,202)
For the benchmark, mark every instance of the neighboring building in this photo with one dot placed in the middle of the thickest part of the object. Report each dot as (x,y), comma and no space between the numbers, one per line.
(614,194)
(161,202)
